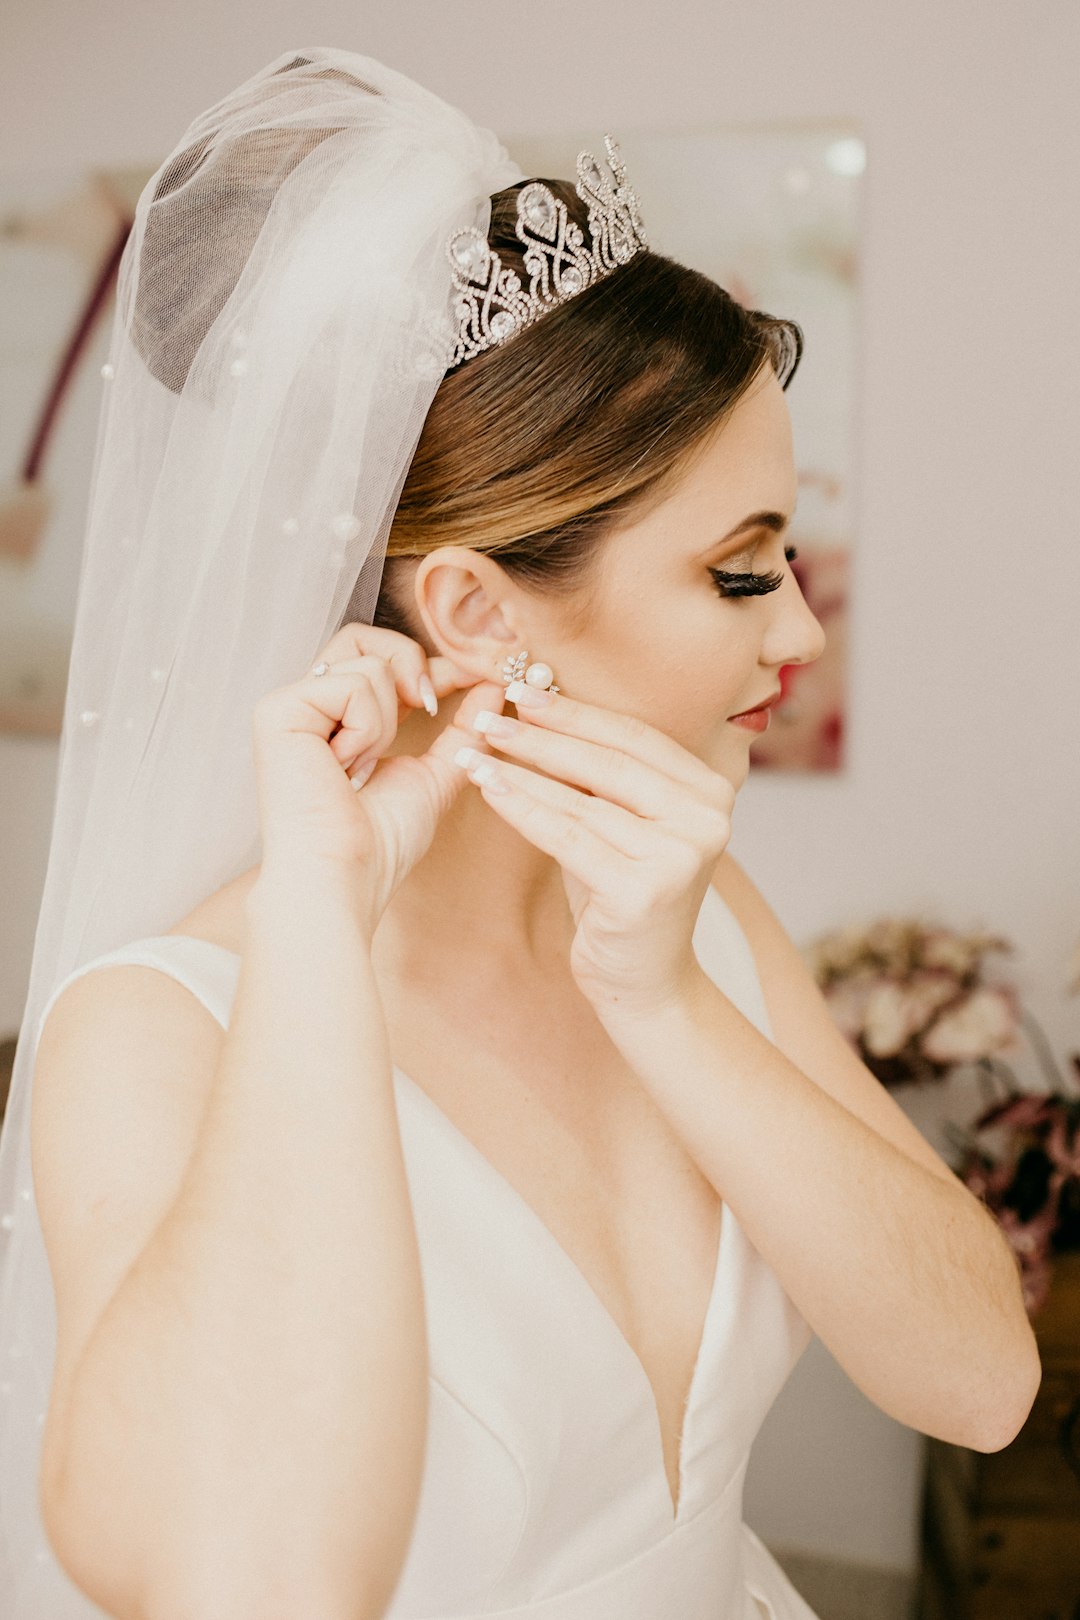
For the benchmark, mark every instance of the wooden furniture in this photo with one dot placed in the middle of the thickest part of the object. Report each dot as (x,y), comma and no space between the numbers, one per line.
(1001,1529)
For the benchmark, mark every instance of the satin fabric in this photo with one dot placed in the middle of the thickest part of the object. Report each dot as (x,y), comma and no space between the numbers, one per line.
(544,1493)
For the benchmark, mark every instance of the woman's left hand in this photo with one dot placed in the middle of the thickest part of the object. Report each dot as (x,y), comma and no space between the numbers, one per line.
(636,822)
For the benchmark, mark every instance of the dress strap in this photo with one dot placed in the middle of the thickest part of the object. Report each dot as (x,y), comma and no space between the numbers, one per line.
(209,971)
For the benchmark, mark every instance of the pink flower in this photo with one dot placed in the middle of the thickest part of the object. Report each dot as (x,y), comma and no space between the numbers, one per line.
(894,1010)
(1039,1122)
(892,939)
(926,992)
(941,948)
(1000,1178)
(1023,1111)
(982,1023)
(1065,1158)
(959,953)
(1035,1284)
(887,1019)
(1030,1240)
(838,952)
(847,1000)
(989,1181)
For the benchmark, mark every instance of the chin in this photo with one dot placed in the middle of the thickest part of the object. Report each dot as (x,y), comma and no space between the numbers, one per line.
(732,763)
(738,777)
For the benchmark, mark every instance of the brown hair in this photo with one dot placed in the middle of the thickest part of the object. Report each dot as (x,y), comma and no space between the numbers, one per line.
(534,450)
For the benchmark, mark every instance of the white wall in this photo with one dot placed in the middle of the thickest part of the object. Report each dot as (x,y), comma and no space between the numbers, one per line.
(961,793)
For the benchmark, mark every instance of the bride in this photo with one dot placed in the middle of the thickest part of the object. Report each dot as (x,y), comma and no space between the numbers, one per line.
(432,1209)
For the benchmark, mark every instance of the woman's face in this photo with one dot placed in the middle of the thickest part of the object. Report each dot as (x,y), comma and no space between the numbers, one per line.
(663,643)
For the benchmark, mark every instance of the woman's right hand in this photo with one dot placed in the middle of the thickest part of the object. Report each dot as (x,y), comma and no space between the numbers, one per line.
(310,739)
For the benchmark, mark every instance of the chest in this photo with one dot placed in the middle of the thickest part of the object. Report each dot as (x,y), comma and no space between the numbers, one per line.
(531,1079)
(542,1093)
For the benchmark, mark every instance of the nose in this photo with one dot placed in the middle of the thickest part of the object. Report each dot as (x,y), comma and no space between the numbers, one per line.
(794,635)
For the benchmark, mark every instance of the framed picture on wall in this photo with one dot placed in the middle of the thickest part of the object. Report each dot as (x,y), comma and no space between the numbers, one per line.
(60,244)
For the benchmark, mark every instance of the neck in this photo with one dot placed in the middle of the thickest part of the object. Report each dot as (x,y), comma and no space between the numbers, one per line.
(481,893)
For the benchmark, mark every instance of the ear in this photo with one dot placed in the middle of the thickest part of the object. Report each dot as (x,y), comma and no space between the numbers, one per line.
(465,603)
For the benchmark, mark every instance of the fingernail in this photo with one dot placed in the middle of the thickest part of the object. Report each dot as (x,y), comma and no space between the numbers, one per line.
(360,777)
(468,757)
(487,774)
(427,694)
(530,696)
(494,725)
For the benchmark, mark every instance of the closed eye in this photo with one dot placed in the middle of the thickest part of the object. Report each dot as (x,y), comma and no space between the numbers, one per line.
(730,583)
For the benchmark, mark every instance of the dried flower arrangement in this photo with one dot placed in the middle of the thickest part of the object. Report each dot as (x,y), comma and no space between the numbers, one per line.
(1022,1159)
(917,1002)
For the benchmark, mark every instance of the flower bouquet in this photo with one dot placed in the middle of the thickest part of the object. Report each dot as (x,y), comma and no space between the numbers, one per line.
(1022,1159)
(916,1000)
(919,1002)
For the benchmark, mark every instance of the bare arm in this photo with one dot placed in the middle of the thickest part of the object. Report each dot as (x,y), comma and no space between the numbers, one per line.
(255,1392)
(898,1269)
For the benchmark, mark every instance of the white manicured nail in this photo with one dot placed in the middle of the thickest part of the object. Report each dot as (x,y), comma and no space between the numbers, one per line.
(531,696)
(491,724)
(487,774)
(427,694)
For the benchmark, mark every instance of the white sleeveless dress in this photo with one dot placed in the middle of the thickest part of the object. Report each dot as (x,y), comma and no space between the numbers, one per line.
(544,1494)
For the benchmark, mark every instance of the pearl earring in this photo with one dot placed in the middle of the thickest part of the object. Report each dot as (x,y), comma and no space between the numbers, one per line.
(538,675)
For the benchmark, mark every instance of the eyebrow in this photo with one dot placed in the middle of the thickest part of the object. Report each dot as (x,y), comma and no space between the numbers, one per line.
(777,521)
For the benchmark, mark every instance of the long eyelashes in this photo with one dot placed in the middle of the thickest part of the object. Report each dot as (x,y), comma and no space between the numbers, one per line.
(729,583)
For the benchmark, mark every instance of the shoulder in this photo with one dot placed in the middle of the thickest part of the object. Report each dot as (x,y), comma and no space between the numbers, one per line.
(117,1004)
(110,994)
(219,918)
(794,1002)
(776,955)
(803,1027)
(734,885)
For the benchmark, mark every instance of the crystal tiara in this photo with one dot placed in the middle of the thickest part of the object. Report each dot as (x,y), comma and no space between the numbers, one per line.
(492,306)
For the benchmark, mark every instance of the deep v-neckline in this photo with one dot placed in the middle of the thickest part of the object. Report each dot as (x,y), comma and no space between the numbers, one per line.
(508,1189)
(566,1259)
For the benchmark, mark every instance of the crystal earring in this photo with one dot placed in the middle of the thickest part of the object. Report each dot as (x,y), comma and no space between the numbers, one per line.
(538,675)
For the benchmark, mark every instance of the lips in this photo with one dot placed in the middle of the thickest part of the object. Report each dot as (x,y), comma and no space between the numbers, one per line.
(765,704)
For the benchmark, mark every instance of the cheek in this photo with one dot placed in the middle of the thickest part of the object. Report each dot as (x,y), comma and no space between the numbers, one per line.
(703,674)
(682,665)
(690,700)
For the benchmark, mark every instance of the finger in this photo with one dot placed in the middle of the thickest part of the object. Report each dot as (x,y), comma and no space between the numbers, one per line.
(371,717)
(337,698)
(630,835)
(621,731)
(439,757)
(359,770)
(570,827)
(405,657)
(611,774)
(369,723)
(448,676)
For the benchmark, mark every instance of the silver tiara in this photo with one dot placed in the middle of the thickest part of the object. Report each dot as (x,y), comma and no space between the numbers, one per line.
(492,306)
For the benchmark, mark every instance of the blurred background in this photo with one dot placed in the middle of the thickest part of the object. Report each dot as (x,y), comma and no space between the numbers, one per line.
(925,805)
